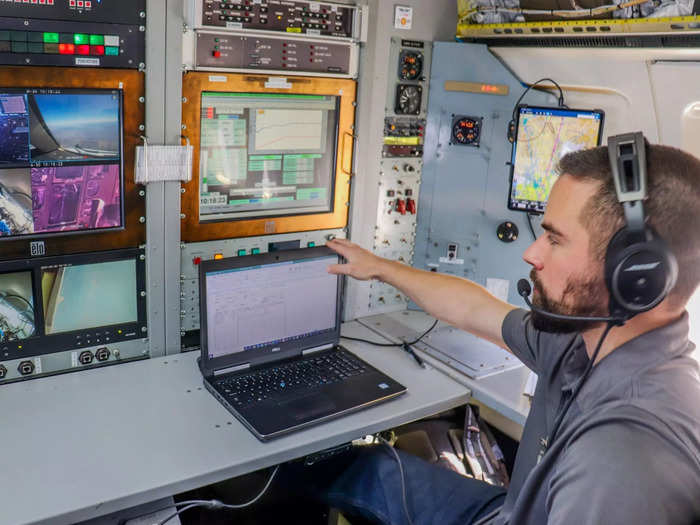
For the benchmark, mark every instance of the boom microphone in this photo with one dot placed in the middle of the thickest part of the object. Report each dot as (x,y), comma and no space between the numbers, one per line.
(524,290)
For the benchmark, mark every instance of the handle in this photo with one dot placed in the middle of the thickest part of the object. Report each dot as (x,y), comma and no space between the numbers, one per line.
(342,157)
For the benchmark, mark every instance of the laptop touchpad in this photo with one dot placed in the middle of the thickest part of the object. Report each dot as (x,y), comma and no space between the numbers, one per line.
(309,406)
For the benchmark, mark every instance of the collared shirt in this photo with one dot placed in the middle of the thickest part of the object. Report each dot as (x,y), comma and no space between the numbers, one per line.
(628,449)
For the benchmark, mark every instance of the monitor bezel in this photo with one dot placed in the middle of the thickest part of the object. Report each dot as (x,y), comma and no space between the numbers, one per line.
(278,212)
(272,352)
(42,343)
(538,208)
(30,165)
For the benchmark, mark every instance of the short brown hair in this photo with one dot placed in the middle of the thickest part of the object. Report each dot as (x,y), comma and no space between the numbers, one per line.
(672,207)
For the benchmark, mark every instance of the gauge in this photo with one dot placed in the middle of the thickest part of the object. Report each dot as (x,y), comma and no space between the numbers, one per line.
(408,99)
(466,131)
(410,65)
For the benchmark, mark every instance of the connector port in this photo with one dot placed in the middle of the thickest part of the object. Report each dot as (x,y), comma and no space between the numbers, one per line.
(25,367)
(85,357)
(3,371)
(102,354)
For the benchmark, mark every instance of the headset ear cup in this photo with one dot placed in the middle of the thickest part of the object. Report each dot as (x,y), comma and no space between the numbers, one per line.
(639,275)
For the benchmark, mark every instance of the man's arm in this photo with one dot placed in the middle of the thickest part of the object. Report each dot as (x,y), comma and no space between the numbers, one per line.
(459,302)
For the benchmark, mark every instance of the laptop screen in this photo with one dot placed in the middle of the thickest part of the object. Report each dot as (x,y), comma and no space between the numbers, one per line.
(261,306)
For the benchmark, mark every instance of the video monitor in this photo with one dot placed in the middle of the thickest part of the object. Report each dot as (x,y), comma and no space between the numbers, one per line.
(543,136)
(61,166)
(17,319)
(85,296)
(264,154)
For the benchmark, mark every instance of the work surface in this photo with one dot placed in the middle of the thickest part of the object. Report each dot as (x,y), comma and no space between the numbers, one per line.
(85,444)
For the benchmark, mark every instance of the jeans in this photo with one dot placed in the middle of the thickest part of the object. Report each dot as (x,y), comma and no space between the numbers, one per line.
(367,483)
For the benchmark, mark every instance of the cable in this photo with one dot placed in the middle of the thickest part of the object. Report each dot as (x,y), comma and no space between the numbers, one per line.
(216,504)
(546,443)
(560,102)
(403,479)
(529,223)
(375,343)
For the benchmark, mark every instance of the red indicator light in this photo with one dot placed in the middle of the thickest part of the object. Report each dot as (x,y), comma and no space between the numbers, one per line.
(82,49)
(196,260)
(66,49)
(216,54)
(97,50)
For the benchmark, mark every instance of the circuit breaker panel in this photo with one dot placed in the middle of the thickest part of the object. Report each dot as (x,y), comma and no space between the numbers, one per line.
(401,165)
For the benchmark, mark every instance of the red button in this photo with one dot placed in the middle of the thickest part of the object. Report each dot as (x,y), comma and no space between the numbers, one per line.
(80,3)
(97,50)
(66,49)
(50,2)
(196,260)
(216,54)
(71,3)
(88,4)
(82,49)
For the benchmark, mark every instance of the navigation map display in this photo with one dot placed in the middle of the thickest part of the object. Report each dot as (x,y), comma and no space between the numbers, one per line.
(60,161)
(264,154)
(543,136)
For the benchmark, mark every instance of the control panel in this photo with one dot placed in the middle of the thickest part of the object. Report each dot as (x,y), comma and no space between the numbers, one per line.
(401,164)
(85,33)
(194,253)
(295,17)
(236,51)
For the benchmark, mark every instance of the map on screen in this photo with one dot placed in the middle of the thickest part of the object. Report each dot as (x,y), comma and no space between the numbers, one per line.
(544,135)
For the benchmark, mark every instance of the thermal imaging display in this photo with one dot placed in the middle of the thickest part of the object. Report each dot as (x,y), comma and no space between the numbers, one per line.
(61,167)
(79,297)
(264,154)
(544,135)
(17,319)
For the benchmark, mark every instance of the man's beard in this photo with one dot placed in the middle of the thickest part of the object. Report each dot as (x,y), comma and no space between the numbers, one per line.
(588,297)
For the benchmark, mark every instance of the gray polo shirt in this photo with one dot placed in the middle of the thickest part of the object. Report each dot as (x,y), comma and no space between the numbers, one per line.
(628,450)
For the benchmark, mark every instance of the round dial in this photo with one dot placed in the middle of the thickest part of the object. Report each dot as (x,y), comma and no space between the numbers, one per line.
(466,131)
(408,99)
(410,65)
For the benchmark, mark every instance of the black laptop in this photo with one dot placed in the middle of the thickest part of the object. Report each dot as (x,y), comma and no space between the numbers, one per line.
(270,327)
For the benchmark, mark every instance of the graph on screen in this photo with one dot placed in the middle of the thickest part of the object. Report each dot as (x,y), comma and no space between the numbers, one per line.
(289,130)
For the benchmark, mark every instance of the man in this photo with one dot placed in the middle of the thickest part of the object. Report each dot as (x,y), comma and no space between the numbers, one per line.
(627,449)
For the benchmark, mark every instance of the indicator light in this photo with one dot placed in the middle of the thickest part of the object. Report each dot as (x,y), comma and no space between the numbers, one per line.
(82,49)
(79,39)
(66,49)
(97,40)
(218,256)
(51,38)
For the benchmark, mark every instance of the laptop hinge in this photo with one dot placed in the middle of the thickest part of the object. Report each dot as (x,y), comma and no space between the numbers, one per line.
(317,349)
(231,369)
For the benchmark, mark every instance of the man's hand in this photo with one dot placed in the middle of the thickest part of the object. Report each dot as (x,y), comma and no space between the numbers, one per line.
(361,264)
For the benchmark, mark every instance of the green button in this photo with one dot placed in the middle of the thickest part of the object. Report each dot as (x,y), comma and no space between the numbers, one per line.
(36,47)
(4,35)
(255,251)
(111,51)
(97,40)
(19,47)
(311,244)
(35,36)
(241,252)
(18,36)
(80,39)
(51,38)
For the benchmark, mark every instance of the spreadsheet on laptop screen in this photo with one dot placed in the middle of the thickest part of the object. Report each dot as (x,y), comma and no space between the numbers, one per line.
(254,307)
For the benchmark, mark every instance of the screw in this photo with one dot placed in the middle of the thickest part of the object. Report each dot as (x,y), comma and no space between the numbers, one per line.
(143,293)
(142,257)
(183,127)
(144,329)
(182,215)
(142,28)
(142,100)
(142,219)
(141,127)
(184,100)
(142,193)
(142,14)
(182,190)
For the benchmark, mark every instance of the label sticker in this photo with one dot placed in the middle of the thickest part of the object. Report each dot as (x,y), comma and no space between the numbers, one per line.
(403,17)
(218,78)
(82,61)
(445,260)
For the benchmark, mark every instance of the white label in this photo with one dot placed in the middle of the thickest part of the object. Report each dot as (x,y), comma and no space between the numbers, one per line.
(445,260)
(37,365)
(278,83)
(403,17)
(315,6)
(37,248)
(234,25)
(498,287)
(218,78)
(74,359)
(313,31)
(82,61)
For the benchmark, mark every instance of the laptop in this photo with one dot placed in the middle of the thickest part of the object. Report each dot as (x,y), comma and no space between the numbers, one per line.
(270,328)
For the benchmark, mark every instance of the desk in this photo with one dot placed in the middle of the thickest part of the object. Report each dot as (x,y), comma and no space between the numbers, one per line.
(86,444)
(501,392)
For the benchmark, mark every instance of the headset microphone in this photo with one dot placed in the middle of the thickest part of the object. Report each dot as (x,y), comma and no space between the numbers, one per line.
(524,290)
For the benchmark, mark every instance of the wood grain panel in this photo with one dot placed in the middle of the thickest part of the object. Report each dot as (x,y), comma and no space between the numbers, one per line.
(194,83)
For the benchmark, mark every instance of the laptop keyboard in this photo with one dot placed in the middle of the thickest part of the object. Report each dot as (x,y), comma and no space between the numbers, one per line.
(291,378)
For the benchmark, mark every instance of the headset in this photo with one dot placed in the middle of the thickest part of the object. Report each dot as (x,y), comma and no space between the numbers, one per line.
(640,269)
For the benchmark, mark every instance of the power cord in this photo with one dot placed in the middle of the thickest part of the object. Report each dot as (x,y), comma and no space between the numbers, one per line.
(375,343)
(513,121)
(529,223)
(403,478)
(216,504)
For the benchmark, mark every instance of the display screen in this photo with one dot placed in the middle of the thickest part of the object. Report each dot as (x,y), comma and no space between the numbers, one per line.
(543,136)
(266,155)
(17,319)
(60,161)
(85,296)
